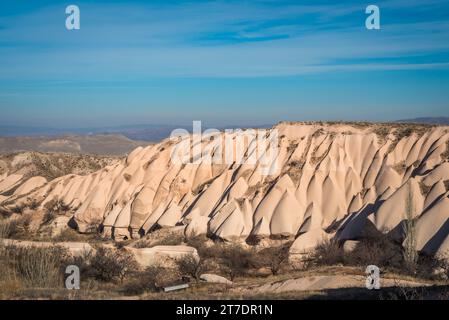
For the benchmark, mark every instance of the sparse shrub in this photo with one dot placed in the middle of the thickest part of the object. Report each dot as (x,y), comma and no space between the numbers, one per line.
(57,206)
(400,167)
(109,264)
(374,248)
(382,131)
(146,281)
(274,258)
(33,205)
(83,262)
(48,217)
(190,266)
(16,228)
(68,235)
(18,209)
(200,244)
(403,132)
(432,267)
(93,227)
(231,259)
(7,228)
(379,250)
(36,266)
(236,261)
(425,189)
(173,239)
(292,147)
(296,163)
(328,253)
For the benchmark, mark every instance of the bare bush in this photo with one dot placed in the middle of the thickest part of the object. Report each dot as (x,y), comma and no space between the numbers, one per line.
(13,228)
(7,227)
(328,253)
(200,244)
(237,261)
(190,265)
(18,209)
(36,266)
(110,264)
(374,248)
(146,281)
(48,217)
(172,239)
(274,258)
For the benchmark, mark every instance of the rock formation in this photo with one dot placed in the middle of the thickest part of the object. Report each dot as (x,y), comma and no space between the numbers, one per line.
(331,181)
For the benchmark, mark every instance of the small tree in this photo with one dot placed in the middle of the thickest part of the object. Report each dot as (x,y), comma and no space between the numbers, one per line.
(237,261)
(190,265)
(410,253)
(274,258)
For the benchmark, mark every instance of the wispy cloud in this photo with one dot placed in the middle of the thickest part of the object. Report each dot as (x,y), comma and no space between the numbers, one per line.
(215,39)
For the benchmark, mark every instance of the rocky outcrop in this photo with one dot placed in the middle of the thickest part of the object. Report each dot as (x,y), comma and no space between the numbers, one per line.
(326,181)
(74,248)
(146,257)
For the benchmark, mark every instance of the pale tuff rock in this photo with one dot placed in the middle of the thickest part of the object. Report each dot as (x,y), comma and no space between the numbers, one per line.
(328,181)
(10,182)
(306,242)
(213,278)
(146,257)
(30,185)
(74,248)
(197,226)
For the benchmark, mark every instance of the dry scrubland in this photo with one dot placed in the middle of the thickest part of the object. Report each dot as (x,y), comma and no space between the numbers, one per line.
(107,144)
(345,195)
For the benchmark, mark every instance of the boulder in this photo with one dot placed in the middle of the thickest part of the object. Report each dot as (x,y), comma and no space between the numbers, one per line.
(213,278)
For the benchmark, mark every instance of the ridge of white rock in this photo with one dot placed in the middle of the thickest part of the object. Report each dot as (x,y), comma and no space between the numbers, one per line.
(330,179)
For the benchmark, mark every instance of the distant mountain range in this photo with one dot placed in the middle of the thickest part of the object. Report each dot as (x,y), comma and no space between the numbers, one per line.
(134,132)
(148,132)
(152,133)
(428,120)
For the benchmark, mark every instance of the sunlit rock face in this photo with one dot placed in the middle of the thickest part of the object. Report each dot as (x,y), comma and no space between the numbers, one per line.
(324,181)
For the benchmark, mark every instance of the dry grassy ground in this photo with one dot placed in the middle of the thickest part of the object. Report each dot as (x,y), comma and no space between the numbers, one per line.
(52,165)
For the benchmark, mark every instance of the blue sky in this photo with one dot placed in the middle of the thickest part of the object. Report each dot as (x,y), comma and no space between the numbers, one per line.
(222,62)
